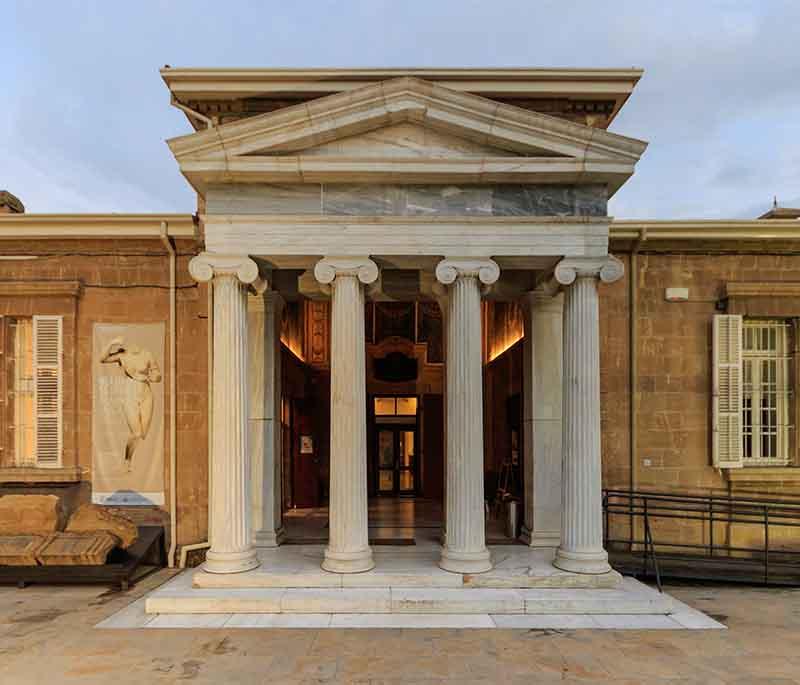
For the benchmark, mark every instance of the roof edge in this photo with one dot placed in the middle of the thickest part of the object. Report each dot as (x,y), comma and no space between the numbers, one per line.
(97,225)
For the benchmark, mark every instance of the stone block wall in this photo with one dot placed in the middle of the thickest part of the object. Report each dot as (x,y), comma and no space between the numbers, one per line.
(673,394)
(121,282)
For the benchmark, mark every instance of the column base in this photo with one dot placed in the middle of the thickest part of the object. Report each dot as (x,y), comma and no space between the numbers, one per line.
(540,538)
(270,538)
(593,563)
(231,562)
(465,562)
(348,562)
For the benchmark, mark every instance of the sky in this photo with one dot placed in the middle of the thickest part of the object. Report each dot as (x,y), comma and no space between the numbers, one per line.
(85,113)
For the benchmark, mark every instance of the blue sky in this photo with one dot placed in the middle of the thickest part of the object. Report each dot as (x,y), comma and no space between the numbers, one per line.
(85,113)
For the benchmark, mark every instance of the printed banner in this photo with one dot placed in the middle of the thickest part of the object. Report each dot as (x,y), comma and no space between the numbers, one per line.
(128,414)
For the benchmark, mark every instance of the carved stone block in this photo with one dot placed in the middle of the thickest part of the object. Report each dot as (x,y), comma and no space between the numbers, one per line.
(90,518)
(77,549)
(30,515)
(20,550)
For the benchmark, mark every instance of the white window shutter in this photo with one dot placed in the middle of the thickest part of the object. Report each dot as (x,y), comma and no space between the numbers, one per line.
(47,360)
(727,400)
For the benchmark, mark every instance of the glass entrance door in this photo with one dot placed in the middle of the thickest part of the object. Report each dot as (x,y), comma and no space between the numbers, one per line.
(396,460)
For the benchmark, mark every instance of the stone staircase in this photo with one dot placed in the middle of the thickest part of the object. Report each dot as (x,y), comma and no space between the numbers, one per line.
(630,597)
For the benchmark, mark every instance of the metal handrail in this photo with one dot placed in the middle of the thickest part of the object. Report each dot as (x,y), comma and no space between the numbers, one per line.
(708,512)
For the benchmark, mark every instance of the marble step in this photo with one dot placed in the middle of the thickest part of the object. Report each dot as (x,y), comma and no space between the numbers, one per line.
(631,598)
(435,578)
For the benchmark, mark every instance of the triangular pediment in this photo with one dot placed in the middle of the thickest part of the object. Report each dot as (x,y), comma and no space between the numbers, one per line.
(407,139)
(400,128)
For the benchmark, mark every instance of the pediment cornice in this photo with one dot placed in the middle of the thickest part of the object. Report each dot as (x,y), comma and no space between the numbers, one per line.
(270,147)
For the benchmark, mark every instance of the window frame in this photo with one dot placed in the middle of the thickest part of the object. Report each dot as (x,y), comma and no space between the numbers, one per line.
(45,394)
(776,359)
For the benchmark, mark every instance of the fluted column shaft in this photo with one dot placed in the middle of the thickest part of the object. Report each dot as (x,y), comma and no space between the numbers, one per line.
(264,355)
(581,548)
(348,548)
(231,540)
(465,550)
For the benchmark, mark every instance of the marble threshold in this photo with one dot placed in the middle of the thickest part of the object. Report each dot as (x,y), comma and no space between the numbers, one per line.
(298,566)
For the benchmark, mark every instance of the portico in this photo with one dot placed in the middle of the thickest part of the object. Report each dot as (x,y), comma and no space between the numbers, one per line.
(447,195)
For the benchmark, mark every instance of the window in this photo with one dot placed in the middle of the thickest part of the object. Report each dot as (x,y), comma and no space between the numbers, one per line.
(765,392)
(752,392)
(395,406)
(33,402)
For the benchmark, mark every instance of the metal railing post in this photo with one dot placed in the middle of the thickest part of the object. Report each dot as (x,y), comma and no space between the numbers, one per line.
(766,545)
(711,526)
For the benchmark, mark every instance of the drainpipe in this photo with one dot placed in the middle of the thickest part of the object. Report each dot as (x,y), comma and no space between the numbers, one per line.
(191,113)
(173,402)
(633,376)
(185,549)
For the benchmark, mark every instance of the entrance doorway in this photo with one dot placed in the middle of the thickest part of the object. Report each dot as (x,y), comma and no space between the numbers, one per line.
(397,460)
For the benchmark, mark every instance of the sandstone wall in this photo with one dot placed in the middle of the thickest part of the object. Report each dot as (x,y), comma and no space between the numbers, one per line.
(122,282)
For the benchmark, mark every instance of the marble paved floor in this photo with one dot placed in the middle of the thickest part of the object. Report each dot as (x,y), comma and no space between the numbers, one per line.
(47,636)
(389,518)
(404,566)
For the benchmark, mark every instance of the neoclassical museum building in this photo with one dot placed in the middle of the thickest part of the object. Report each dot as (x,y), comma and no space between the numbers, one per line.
(401,311)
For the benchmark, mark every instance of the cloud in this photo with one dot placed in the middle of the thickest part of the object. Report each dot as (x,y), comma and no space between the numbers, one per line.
(85,112)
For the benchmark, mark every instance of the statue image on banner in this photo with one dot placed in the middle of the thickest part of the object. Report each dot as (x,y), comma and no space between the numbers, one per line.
(140,369)
(128,414)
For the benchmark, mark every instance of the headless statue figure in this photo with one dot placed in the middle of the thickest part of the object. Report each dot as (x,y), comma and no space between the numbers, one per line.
(140,370)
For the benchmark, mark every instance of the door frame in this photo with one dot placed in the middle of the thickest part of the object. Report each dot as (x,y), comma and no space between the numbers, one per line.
(396,429)
(395,424)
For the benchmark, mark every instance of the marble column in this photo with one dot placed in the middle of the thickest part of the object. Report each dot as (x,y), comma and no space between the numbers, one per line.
(264,363)
(465,550)
(440,294)
(581,549)
(348,548)
(231,535)
(541,429)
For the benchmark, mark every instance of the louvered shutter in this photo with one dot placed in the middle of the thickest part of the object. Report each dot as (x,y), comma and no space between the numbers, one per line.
(47,355)
(727,399)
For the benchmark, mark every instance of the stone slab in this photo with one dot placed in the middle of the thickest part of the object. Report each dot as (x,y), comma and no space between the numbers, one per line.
(456,601)
(77,549)
(423,621)
(181,595)
(30,514)
(633,598)
(298,566)
(90,518)
(279,621)
(132,616)
(554,622)
(636,622)
(548,622)
(189,621)
(337,601)
(406,600)
(20,550)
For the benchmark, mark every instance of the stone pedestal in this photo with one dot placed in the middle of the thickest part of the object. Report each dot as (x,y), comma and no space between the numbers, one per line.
(231,536)
(542,381)
(348,548)
(465,550)
(264,363)
(581,549)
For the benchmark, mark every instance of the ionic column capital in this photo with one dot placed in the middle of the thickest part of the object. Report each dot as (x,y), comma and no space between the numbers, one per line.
(209,265)
(451,269)
(608,269)
(328,269)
